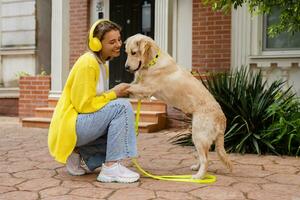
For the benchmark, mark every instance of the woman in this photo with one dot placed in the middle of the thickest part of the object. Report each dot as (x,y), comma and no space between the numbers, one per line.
(90,121)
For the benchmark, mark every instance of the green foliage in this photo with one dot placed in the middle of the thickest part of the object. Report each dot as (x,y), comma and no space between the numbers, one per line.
(261,118)
(284,133)
(21,74)
(244,99)
(43,73)
(289,17)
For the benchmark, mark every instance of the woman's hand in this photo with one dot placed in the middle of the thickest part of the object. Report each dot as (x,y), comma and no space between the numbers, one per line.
(121,89)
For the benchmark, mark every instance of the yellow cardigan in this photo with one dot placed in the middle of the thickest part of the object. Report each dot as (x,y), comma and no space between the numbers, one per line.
(78,96)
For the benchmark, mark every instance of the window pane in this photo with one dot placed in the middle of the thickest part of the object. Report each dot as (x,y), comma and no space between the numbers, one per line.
(284,41)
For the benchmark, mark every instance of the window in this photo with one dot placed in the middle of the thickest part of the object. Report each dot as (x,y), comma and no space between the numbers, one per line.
(284,41)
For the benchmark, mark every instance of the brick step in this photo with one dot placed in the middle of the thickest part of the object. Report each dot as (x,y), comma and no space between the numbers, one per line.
(152,115)
(52,102)
(36,122)
(147,105)
(148,127)
(145,116)
(44,112)
(42,122)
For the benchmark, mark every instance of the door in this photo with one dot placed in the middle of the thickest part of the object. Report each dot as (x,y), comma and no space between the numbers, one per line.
(134,16)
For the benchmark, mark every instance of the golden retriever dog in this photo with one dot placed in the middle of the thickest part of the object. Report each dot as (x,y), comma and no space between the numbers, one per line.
(158,75)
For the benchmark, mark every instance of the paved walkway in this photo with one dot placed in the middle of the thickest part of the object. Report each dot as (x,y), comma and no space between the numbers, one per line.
(27,172)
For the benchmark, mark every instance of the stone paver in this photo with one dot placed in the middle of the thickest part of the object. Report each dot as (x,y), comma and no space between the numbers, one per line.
(27,171)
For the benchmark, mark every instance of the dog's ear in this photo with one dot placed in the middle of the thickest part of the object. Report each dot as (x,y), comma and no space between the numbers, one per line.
(144,46)
(127,41)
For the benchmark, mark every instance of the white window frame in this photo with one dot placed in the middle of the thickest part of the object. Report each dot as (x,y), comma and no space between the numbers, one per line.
(257,36)
(264,37)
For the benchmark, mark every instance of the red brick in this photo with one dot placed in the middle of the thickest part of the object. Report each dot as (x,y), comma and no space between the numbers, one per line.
(9,106)
(211,39)
(33,93)
(79,27)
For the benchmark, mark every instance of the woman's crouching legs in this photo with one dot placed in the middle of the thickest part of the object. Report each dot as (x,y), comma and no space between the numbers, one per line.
(116,122)
(121,144)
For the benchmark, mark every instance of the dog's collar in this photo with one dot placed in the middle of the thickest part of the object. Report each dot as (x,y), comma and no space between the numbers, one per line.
(154,60)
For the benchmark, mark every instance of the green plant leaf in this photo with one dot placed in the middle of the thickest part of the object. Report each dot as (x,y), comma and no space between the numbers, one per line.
(254,141)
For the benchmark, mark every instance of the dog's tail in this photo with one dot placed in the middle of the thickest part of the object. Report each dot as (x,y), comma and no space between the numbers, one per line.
(221,151)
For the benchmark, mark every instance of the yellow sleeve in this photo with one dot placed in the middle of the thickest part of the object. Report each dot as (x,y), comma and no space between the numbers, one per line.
(83,91)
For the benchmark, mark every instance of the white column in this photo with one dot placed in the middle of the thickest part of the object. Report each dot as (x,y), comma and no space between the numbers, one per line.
(240,37)
(161,24)
(184,34)
(59,46)
(1,72)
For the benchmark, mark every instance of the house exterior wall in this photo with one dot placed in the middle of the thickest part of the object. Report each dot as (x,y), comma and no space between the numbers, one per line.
(18,32)
(211,39)
(247,50)
(79,27)
(17,49)
(219,42)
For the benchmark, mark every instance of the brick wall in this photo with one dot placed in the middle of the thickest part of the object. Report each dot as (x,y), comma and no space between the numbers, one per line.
(33,93)
(9,106)
(79,26)
(211,39)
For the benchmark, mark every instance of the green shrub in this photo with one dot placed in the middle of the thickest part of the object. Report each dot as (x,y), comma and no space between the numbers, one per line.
(284,132)
(256,113)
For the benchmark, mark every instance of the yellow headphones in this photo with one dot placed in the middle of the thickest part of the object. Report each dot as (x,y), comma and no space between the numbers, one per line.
(94,42)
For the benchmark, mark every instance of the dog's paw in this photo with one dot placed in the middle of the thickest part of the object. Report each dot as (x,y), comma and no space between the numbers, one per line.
(196,176)
(138,96)
(195,167)
(132,96)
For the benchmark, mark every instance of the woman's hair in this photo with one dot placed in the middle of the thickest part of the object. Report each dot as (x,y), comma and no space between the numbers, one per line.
(104,27)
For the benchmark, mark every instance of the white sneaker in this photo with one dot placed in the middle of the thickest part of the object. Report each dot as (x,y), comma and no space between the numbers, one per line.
(117,173)
(73,165)
(85,167)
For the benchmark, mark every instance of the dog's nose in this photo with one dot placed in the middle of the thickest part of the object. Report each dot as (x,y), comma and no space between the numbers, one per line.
(127,67)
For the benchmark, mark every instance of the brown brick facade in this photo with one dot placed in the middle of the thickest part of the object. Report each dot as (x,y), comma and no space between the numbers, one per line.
(211,39)
(9,106)
(79,26)
(33,93)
